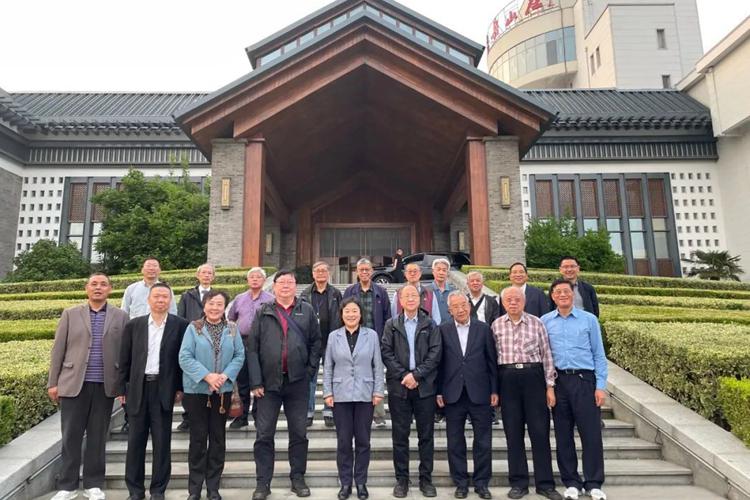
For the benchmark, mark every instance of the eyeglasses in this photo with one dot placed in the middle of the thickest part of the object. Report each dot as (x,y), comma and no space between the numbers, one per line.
(286,282)
(569,267)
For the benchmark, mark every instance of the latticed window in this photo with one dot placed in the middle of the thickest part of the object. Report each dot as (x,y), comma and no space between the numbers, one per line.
(656,198)
(634,197)
(612,198)
(589,204)
(77,211)
(567,199)
(543,199)
(97,213)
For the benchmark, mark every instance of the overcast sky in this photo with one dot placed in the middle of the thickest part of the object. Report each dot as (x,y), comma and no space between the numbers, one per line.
(192,45)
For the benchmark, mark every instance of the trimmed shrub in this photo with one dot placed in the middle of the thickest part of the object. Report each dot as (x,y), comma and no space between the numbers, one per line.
(683,361)
(734,398)
(692,302)
(7,419)
(35,309)
(24,367)
(27,330)
(662,314)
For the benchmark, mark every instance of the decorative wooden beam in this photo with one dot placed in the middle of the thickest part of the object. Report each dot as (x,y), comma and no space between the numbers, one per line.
(304,236)
(252,221)
(276,204)
(479,214)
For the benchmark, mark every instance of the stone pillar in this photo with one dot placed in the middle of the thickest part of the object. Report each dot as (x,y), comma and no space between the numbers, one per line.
(476,185)
(254,209)
(506,224)
(225,225)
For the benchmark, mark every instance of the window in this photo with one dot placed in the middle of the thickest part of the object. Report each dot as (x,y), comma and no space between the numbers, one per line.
(690,176)
(44,180)
(716,243)
(692,189)
(661,39)
(682,176)
(711,202)
(598,58)
(713,215)
(666,81)
(567,200)
(543,199)
(708,176)
(715,229)
(708,189)
(682,189)
(21,220)
(698,176)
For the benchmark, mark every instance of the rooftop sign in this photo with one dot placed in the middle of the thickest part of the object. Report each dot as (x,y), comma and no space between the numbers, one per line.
(515,12)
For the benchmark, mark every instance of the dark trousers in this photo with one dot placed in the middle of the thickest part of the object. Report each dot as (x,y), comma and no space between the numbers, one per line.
(402,411)
(206,423)
(243,383)
(524,402)
(89,412)
(455,421)
(353,421)
(294,398)
(576,407)
(151,417)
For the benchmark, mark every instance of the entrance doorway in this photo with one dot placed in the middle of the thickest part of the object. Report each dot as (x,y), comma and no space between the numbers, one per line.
(342,245)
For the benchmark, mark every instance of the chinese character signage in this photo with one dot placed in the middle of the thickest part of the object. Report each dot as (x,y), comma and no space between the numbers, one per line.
(516,11)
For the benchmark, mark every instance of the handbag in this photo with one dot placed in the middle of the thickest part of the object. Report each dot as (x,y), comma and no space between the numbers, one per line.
(235,410)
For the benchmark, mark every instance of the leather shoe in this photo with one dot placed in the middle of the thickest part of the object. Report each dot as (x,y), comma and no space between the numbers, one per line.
(551,493)
(194,497)
(328,421)
(516,492)
(261,492)
(362,492)
(483,492)
(238,423)
(214,495)
(344,492)
(125,428)
(401,489)
(309,421)
(427,489)
(157,496)
(184,426)
(461,492)
(299,487)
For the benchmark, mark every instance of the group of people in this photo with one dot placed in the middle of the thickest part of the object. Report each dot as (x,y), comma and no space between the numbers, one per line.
(446,355)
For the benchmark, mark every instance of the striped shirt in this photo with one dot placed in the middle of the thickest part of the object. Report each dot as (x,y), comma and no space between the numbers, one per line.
(95,366)
(523,342)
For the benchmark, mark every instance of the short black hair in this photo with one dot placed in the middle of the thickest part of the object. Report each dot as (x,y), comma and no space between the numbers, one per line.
(558,282)
(160,284)
(284,272)
(109,281)
(346,302)
(568,257)
(518,264)
(215,293)
(150,257)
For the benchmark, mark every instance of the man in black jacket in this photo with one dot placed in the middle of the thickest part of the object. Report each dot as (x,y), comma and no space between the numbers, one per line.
(411,348)
(191,308)
(537,303)
(149,379)
(282,357)
(483,307)
(584,295)
(325,300)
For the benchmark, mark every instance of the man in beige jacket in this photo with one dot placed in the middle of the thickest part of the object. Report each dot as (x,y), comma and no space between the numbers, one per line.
(82,379)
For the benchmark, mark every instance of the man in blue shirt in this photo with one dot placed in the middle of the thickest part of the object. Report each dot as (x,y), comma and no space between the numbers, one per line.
(578,354)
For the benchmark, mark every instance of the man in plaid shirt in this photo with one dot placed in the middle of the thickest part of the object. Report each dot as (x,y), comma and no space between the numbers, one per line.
(526,379)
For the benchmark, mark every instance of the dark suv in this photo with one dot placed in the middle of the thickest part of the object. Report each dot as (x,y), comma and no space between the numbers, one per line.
(384,274)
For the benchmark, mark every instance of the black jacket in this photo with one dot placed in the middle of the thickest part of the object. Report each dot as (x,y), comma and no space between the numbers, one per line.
(491,308)
(264,346)
(333,296)
(537,304)
(394,347)
(476,370)
(190,306)
(588,294)
(132,365)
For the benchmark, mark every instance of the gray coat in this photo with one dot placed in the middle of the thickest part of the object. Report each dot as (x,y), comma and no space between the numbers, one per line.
(351,377)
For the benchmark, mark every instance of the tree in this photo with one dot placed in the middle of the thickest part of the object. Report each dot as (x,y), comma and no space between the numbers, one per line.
(548,240)
(715,265)
(48,261)
(165,218)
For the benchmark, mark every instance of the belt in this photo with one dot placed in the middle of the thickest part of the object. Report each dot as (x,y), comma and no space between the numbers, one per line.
(572,371)
(151,378)
(521,366)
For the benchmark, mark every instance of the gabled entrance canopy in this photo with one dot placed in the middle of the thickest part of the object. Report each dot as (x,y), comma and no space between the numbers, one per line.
(362,90)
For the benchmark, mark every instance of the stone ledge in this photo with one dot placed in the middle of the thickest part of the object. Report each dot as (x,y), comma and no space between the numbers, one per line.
(717,448)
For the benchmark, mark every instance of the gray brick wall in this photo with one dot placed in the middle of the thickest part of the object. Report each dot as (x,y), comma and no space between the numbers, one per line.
(460,222)
(288,257)
(441,239)
(272,225)
(506,224)
(10,198)
(225,226)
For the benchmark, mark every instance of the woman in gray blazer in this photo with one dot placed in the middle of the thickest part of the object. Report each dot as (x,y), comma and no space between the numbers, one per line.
(353,385)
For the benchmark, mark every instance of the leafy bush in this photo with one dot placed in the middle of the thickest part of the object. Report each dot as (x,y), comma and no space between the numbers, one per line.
(696,302)
(24,367)
(27,330)
(657,314)
(47,260)
(734,398)
(38,309)
(685,362)
(7,419)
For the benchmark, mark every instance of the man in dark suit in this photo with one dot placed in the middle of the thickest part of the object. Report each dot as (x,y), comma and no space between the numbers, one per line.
(149,379)
(467,385)
(536,302)
(584,294)
(483,307)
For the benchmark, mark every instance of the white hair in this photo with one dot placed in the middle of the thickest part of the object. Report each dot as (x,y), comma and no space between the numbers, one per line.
(475,273)
(259,270)
(456,293)
(363,261)
(206,264)
(502,292)
(441,260)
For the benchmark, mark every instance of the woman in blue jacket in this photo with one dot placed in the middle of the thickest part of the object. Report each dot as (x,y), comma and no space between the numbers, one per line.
(353,385)
(210,357)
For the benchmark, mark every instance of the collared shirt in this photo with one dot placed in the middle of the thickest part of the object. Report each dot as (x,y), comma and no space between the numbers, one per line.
(435,315)
(95,366)
(524,342)
(577,297)
(203,291)
(135,300)
(285,330)
(463,335)
(576,343)
(244,308)
(410,324)
(366,298)
(351,338)
(478,306)
(155,334)
(441,296)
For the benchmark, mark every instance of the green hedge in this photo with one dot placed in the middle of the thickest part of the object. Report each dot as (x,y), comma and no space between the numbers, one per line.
(116,294)
(692,302)
(683,361)
(660,314)
(7,419)
(27,330)
(734,398)
(24,367)
(37,309)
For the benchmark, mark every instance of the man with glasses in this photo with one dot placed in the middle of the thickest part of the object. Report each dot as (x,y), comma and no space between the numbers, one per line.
(580,390)
(535,300)
(427,300)
(584,294)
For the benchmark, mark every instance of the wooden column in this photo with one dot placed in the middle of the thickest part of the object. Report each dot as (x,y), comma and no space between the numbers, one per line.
(304,236)
(424,228)
(252,220)
(479,215)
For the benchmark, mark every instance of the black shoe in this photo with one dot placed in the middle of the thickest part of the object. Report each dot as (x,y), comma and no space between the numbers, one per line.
(214,495)
(427,489)
(461,492)
(137,497)
(401,489)
(157,496)
(551,493)
(125,427)
(299,487)
(184,426)
(516,492)
(238,423)
(344,492)
(483,492)
(194,497)
(261,492)
(328,421)
(379,421)
(439,418)
(309,421)
(362,492)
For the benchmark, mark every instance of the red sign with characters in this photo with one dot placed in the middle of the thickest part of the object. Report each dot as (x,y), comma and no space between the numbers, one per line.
(515,12)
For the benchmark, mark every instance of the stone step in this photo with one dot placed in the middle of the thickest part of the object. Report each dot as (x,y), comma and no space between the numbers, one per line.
(381,449)
(241,474)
